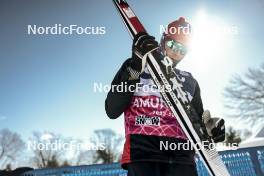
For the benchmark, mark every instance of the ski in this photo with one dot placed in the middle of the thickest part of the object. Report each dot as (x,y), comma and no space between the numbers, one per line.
(177,102)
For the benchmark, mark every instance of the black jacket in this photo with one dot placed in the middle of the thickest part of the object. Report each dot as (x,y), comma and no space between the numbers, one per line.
(144,127)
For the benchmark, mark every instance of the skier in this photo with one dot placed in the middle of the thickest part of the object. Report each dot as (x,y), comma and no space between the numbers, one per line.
(154,139)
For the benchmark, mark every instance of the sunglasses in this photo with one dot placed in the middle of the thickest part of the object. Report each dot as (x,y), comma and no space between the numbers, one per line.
(176,47)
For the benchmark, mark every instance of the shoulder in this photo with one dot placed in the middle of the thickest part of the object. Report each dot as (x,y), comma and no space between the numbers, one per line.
(127,61)
(187,76)
(125,64)
(189,82)
(184,74)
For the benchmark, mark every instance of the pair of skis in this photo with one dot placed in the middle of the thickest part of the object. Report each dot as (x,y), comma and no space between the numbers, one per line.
(179,104)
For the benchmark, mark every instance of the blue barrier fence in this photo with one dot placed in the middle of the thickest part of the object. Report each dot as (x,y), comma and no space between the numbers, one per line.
(241,162)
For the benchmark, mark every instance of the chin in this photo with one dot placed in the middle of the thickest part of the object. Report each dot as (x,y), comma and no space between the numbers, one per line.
(176,59)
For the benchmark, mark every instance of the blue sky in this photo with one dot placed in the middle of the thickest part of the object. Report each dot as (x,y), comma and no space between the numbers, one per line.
(46,81)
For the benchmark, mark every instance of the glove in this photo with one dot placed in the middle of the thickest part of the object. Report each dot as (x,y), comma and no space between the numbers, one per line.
(142,44)
(215,126)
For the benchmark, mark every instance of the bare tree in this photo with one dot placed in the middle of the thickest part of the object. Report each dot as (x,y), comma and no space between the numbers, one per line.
(245,97)
(11,145)
(65,163)
(8,167)
(232,137)
(84,157)
(47,149)
(108,142)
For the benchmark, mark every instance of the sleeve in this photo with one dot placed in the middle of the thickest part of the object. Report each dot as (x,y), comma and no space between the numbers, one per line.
(197,105)
(197,101)
(117,101)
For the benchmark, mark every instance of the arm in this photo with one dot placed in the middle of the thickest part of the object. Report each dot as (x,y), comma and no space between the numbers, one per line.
(197,101)
(116,102)
(214,126)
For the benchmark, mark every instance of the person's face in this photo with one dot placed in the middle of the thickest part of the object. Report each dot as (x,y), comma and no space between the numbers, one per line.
(175,50)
